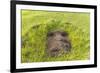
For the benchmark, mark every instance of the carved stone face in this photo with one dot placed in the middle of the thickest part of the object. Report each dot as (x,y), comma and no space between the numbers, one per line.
(57,43)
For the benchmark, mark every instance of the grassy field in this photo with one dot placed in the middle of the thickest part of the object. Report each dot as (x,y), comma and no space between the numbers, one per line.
(36,24)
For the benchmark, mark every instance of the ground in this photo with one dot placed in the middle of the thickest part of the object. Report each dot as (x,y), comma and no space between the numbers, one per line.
(36,25)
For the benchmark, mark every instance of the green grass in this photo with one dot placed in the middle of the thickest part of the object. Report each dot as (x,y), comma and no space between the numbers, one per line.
(36,24)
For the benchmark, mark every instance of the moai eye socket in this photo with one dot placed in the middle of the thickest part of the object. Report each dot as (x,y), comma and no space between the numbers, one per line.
(50,34)
(64,34)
